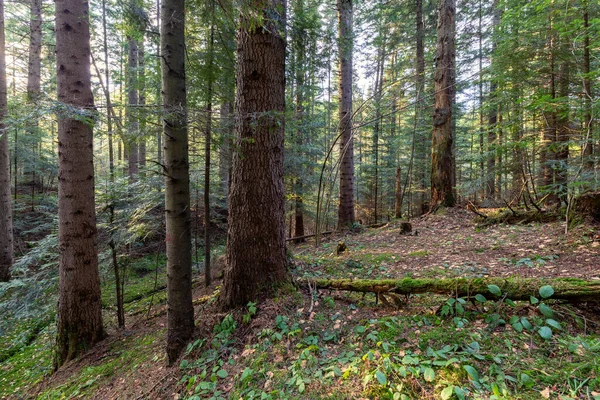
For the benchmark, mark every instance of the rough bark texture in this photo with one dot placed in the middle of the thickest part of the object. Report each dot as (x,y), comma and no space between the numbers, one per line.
(490,189)
(180,320)
(346,215)
(79,302)
(6,225)
(256,261)
(442,158)
(517,288)
(141,139)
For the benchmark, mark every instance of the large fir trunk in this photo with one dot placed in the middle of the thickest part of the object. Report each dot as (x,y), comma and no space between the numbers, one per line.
(180,319)
(79,302)
(256,261)
(442,157)
(346,214)
(6,230)
(562,131)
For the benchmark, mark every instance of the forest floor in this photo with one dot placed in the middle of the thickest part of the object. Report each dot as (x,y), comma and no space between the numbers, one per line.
(309,344)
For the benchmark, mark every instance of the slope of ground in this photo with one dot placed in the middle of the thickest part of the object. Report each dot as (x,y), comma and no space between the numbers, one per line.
(309,344)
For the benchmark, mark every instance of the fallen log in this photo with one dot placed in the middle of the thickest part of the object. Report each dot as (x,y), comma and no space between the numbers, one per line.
(514,288)
(308,236)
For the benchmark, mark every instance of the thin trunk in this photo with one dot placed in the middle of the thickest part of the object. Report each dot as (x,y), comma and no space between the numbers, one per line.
(346,215)
(562,132)
(421,147)
(442,156)
(481,124)
(493,114)
(111,166)
(547,155)
(132,103)
(180,318)
(79,301)
(142,102)
(226,148)
(6,224)
(588,145)
(256,261)
(398,193)
(207,144)
(300,50)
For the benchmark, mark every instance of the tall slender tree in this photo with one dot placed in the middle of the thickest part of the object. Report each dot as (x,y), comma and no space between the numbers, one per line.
(442,155)
(256,261)
(346,215)
(180,319)
(79,302)
(6,226)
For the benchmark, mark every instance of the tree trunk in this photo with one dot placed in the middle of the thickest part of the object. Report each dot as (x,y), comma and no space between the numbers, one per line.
(180,320)
(35,51)
(588,133)
(562,132)
(299,49)
(6,225)
(547,155)
(256,261)
(398,202)
(207,144)
(442,157)
(346,216)
(421,144)
(493,114)
(226,148)
(141,75)
(132,117)
(518,288)
(79,301)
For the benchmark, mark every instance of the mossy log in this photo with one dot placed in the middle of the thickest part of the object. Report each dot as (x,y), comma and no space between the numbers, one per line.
(514,288)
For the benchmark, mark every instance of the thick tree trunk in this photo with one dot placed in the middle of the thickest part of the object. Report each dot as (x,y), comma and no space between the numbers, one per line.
(180,320)
(442,156)
(132,102)
(6,225)
(346,215)
(79,302)
(256,261)
(517,288)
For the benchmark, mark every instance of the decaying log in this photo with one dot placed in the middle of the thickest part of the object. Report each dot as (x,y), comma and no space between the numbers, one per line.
(514,288)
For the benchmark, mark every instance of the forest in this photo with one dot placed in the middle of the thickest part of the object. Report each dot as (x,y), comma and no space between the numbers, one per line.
(301,199)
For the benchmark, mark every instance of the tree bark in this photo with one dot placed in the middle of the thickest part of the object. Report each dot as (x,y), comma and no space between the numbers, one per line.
(493,113)
(35,51)
(226,148)
(141,75)
(6,224)
(517,288)
(442,156)
(562,132)
(256,262)
(207,144)
(346,215)
(180,320)
(79,302)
